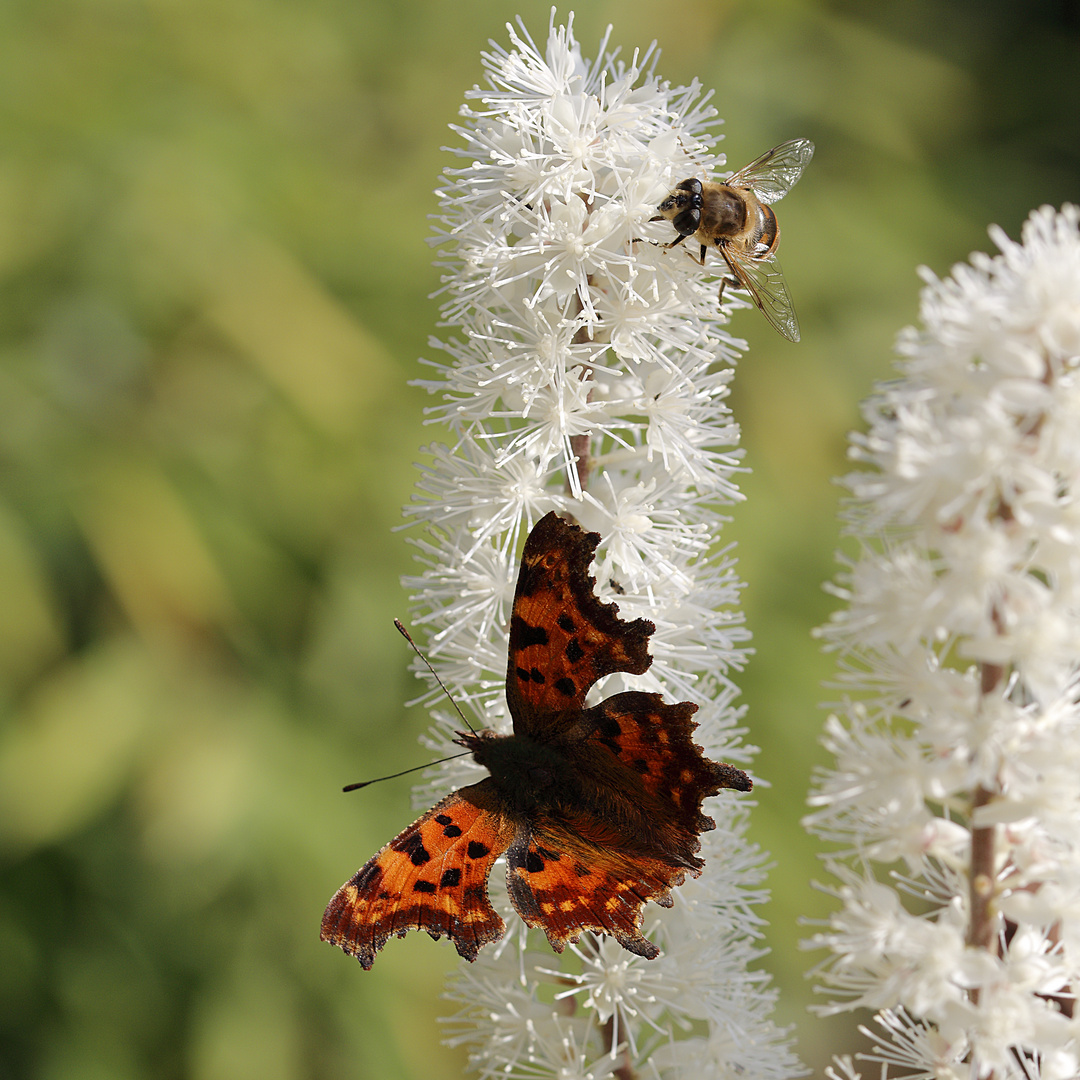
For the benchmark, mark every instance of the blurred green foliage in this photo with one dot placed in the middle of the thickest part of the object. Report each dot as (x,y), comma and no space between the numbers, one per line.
(213,290)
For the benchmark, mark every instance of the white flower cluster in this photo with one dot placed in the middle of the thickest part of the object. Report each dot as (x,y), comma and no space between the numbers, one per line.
(957,764)
(587,374)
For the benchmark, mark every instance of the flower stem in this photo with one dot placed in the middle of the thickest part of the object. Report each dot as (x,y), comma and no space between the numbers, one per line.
(581,444)
(981,930)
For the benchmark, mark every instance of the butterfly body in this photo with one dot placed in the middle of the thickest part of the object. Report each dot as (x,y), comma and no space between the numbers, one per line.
(528,774)
(597,810)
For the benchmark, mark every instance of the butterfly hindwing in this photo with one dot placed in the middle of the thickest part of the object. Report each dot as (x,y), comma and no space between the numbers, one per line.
(630,835)
(432,876)
(562,638)
(564,888)
(653,739)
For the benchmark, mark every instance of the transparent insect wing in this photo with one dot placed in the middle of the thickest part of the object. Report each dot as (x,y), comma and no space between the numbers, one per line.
(771,176)
(764,281)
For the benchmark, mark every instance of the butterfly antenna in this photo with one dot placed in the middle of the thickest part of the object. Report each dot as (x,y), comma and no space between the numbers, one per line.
(394,776)
(465,720)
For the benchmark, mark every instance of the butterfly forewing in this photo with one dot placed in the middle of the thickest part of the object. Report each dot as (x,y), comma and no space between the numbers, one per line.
(562,638)
(432,876)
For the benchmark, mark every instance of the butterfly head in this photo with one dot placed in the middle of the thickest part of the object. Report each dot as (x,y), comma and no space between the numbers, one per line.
(474,741)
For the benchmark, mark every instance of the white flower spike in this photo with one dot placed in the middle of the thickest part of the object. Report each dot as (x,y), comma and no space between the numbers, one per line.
(958,755)
(585,371)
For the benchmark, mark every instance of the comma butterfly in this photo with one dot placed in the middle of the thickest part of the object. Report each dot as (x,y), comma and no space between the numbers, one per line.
(597,810)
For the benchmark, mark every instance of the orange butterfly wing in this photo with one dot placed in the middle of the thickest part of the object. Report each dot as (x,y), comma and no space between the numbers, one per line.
(632,831)
(562,639)
(564,886)
(432,876)
(594,866)
(653,739)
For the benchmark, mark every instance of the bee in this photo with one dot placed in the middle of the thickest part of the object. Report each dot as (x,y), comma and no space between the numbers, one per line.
(735,218)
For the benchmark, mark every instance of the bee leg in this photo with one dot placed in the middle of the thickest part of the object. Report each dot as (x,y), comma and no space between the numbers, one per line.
(678,240)
(726,281)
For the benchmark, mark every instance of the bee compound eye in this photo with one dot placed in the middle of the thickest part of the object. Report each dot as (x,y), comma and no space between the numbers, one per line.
(687,222)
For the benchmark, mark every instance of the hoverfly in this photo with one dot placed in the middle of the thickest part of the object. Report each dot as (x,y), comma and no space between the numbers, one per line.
(734,217)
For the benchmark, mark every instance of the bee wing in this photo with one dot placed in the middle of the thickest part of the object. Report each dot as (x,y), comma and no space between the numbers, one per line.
(771,176)
(764,281)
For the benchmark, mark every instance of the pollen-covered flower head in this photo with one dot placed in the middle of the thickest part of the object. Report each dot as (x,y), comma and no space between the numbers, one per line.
(568,160)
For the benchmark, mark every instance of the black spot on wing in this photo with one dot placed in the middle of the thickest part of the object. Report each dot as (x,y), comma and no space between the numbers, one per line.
(566,687)
(449,828)
(566,623)
(573,651)
(609,727)
(476,850)
(523,635)
(413,846)
(424,887)
(450,879)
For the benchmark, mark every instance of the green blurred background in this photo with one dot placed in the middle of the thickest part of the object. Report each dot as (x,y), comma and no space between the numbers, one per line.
(213,289)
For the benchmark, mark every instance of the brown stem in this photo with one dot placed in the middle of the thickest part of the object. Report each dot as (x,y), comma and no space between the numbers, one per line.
(989,677)
(982,931)
(982,928)
(581,445)
(625,1069)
